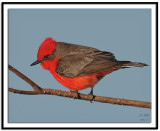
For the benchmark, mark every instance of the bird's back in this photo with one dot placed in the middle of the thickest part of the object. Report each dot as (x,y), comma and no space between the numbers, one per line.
(63,49)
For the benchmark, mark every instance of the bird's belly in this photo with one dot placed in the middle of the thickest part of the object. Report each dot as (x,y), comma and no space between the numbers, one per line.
(76,83)
(82,82)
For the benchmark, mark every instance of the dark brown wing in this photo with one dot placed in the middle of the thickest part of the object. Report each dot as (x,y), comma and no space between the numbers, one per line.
(71,65)
(81,64)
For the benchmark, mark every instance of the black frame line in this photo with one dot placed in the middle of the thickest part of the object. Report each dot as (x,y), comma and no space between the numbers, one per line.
(80,3)
(73,128)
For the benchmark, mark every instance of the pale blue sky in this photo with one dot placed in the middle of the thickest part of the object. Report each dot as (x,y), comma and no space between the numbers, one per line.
(124,32)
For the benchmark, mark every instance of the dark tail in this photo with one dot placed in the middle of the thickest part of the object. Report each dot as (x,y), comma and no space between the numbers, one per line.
(125,64)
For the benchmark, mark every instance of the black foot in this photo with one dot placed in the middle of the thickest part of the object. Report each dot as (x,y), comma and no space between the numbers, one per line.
(78,96)
(91,93)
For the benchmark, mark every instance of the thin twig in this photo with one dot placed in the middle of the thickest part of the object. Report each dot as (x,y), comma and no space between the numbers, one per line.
(38,90)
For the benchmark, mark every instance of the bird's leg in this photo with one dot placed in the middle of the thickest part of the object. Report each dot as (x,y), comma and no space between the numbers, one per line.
(78,97)
(91,93)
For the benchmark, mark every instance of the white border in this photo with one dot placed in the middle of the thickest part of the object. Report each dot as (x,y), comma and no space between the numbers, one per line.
(75,6)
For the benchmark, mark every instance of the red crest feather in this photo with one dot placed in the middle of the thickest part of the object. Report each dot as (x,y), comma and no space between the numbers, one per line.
(46,48)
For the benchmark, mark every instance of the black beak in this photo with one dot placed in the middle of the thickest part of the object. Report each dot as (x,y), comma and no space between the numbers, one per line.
(35,63)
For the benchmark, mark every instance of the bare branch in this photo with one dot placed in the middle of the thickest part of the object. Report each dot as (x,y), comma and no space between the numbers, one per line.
(24,92)
(38,90)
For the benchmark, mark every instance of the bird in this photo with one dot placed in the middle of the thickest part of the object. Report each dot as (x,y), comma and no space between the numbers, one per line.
(78,67)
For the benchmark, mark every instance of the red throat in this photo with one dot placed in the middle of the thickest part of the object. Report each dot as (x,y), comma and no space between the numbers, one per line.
(46,48)
(46,64)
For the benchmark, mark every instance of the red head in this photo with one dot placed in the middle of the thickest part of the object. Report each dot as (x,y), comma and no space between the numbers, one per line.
(46,48)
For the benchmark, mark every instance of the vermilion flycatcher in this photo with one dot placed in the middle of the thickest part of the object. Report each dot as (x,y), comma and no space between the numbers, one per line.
(78,67)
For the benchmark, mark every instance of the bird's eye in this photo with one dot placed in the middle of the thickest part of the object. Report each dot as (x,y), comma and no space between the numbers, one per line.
(45,57)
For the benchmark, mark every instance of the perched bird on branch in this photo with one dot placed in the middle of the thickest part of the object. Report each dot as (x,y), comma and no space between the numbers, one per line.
(78,67)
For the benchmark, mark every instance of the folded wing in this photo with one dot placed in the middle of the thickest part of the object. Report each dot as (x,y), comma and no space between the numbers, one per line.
(82,64)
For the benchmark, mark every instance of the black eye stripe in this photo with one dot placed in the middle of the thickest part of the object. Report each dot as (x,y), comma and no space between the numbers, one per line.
(46,56)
